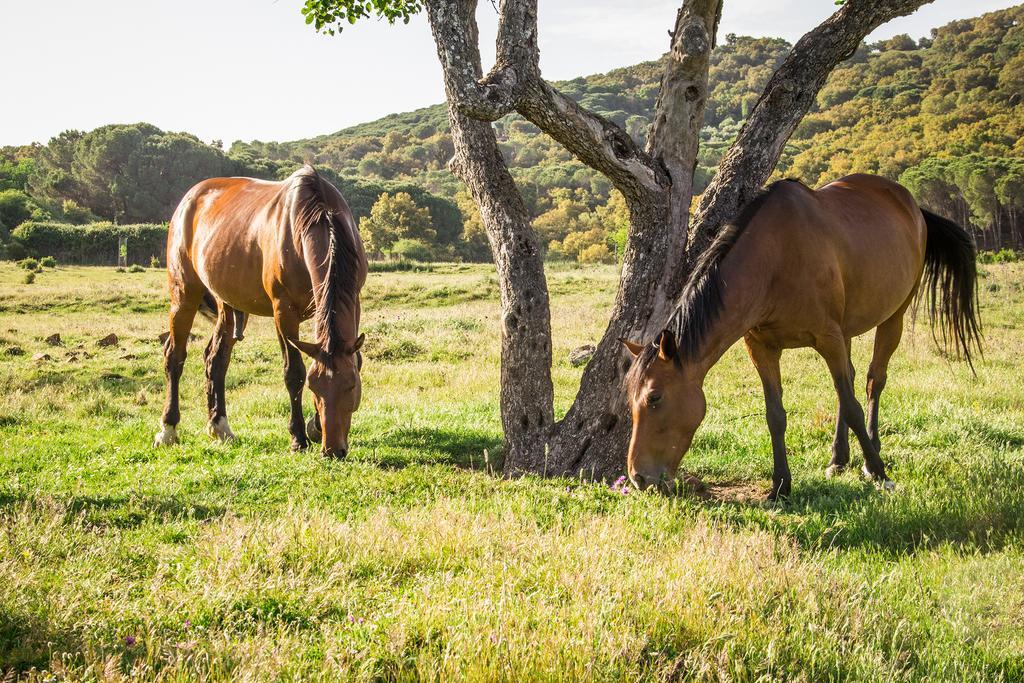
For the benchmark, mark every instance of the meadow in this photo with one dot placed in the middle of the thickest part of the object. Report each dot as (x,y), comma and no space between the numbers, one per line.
(413,559)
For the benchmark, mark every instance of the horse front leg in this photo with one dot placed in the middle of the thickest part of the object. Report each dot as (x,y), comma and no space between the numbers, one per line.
(287,323)
(766,361)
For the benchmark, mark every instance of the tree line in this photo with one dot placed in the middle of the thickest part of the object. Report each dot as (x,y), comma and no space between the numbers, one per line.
(943,115)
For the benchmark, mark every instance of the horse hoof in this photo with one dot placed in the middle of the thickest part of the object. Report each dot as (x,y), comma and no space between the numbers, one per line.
(313,429)
(218,429)
(884,484)
(834,471)
(299,445)
(167,436)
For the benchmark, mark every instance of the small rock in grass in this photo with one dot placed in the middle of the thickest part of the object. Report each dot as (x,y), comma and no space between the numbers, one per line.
(581,355)
(54,340)
(39,357)
(127,356)
(109,340)
(15,351)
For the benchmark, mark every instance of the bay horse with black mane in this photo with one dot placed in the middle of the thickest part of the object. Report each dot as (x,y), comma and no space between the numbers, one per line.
(802,268)
(290,250)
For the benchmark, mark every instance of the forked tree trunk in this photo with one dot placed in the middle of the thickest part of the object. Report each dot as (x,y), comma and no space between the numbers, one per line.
(656,182)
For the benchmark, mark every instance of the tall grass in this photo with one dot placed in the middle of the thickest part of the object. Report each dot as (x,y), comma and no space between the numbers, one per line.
(411,560)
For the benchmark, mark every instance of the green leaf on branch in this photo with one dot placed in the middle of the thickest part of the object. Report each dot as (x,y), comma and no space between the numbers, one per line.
(330,16)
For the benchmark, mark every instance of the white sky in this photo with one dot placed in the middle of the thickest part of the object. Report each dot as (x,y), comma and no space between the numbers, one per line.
(252,69)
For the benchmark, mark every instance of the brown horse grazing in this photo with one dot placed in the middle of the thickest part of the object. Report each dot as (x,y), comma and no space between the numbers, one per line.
(289,250)
(801,267)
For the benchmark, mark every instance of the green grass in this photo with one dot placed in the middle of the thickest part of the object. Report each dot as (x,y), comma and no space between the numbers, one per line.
(411,560)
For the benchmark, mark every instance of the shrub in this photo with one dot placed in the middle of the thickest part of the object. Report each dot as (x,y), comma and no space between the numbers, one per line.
(15,207)
(48,261)
(73,212)
(95,243)
(30,277)
(397,267)
(154,262)
(1001,256)
(14,251)
(136,268)
(414,250)
(28,264)
(595,253)
(1005,256)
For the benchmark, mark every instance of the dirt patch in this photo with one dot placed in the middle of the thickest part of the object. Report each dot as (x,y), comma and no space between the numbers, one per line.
(746,492)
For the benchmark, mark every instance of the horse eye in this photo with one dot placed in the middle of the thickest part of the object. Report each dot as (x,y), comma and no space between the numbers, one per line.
(653,398)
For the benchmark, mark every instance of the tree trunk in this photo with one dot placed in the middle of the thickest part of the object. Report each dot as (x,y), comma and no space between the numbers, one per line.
(527,395)
(594,434)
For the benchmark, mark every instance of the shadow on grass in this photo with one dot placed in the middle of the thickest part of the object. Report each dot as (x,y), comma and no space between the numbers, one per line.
(121,512)
(463,448)
(978,510)
(27,641)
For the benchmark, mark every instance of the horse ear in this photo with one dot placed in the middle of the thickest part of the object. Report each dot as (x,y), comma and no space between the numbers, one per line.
(632,347)
(309,348)
(359,343)
(667,349)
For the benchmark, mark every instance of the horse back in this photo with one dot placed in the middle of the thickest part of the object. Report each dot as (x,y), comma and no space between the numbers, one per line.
(224,235)
(850,253)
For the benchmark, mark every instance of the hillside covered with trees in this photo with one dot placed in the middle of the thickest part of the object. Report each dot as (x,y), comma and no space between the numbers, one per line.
(944,115)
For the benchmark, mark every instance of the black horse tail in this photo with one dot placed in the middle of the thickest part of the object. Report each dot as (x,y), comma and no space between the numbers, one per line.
(208,307)
(951,286)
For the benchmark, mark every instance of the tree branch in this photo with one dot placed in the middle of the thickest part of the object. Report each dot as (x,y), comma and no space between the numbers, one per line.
(594,140)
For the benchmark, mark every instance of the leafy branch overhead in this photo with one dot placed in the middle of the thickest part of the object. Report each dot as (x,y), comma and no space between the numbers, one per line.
(331,16)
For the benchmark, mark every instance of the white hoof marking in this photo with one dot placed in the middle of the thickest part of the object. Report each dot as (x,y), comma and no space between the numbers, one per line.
(219,429)
(167,436)
(833,471)
(888,485)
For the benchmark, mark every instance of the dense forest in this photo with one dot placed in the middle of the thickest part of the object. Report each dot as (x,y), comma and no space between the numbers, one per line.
(943,115)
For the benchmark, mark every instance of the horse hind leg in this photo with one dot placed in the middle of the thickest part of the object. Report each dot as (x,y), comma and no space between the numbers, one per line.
(218,357)
(183,312)
(841,441)
(887,338)
(833,349)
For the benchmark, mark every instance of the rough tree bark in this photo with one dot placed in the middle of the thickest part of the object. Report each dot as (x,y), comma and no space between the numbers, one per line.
(527,395)
(656,182)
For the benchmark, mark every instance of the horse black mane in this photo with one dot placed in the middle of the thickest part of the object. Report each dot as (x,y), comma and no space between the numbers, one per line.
(701,301)
(339,287)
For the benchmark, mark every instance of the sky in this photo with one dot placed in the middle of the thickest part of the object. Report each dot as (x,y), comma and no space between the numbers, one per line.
(253,70)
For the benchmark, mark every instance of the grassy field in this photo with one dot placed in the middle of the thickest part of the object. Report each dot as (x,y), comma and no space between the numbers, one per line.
(411,560)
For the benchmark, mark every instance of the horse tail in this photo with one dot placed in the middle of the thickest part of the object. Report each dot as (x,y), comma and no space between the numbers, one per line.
(208,307)
(951,286)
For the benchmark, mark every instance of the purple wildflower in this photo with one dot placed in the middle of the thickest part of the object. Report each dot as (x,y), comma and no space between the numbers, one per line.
(129,641)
